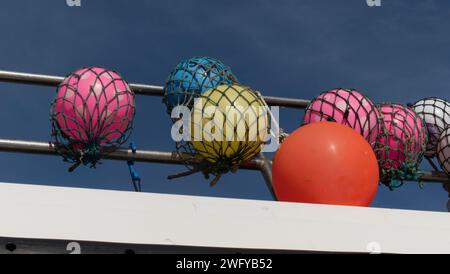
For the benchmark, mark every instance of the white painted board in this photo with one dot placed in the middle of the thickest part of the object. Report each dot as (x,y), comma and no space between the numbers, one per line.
(43,212)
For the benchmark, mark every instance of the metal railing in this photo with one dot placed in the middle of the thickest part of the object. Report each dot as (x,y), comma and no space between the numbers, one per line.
(260,163)
(141,89)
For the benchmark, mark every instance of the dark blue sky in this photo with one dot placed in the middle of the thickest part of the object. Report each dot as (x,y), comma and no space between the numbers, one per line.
(399,52)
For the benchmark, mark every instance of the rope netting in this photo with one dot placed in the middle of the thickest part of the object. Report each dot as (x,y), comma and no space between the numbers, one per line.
(400,144)
(229,125)
(348,107)
(436,114)
(192,77)
(91,115)
(196,78)
(443,151)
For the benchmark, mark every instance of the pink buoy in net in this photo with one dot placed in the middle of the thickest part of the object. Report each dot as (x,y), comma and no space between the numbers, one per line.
(401,143)
(348,107)
(92,114)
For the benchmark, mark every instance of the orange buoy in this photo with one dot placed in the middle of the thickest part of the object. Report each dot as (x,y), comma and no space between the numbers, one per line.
(326,163)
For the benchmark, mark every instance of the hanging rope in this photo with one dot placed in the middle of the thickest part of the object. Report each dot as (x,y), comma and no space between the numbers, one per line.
(135,178)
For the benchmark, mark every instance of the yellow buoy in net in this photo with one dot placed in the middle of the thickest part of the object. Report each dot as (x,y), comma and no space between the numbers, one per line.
(230,124)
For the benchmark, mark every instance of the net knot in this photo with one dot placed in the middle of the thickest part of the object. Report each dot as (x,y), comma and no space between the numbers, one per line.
(89,154)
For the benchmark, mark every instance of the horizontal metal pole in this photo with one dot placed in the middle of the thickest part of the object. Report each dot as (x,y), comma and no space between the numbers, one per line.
(142,156)
(286,102)
(50,80)
(435,177)
(157,157)
(120,154)
(141,89)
